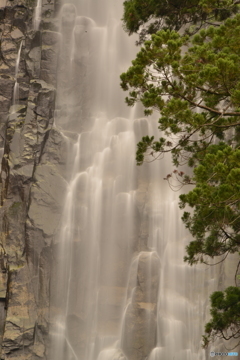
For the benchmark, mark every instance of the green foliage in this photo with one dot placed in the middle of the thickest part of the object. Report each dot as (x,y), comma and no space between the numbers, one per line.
(153,15)
(225,312)
(194,84)
(215,221)
(196,93)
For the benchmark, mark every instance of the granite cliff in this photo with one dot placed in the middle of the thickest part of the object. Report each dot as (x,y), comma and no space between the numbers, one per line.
(31,177)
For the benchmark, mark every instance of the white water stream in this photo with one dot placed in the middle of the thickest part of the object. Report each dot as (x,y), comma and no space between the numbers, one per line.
(122,290)
(16,85)
(37,16)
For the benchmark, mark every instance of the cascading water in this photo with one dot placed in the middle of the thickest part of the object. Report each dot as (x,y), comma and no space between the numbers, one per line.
(120,288)
(16,85)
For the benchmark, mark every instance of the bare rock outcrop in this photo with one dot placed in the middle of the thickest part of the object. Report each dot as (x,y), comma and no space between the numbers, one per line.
(32,184)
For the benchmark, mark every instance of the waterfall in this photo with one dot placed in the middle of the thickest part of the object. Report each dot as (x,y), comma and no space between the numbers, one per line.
(37,15)
(16,85)
(120,289)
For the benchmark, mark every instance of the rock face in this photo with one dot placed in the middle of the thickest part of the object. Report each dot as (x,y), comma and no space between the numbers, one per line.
(32,186)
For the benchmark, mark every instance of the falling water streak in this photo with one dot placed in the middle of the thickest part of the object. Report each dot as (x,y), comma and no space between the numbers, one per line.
(16,93)
(18,60)
(37,15)
(61,334)
(68,216)
(16,85)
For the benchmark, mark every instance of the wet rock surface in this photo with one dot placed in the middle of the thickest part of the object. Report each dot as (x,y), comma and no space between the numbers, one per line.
(139,327)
